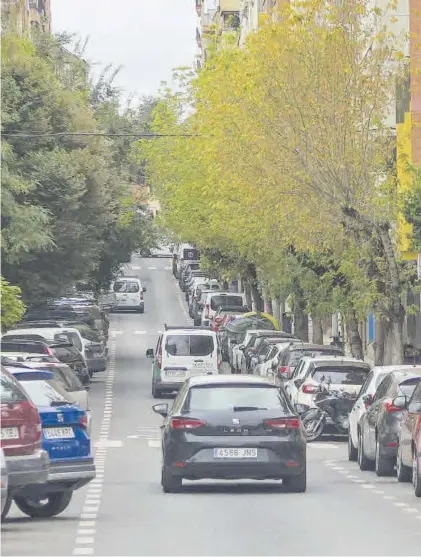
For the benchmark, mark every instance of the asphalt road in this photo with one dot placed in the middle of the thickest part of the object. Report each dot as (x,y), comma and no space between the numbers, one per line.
(124,512)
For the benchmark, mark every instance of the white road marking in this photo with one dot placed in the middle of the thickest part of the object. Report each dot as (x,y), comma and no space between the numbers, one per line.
(411,510)
(399,504)
(109,443)
(367,486)
(389,497)
(154,443)
(83,551)
(135,267)
(86,531)
(85,516)
(139,333)
(115,333)
(378,491)
(85,540)
(168,268)
(87,523)
(151,268)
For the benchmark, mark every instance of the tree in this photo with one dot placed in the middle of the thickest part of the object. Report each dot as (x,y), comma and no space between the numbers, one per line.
(12,307)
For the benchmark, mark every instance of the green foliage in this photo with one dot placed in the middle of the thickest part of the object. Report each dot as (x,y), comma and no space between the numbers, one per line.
(412,208)
(12,307)
(64,210)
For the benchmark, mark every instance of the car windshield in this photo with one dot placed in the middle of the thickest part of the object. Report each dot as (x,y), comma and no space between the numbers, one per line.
(296,355)
(42,393)
(189,345)
(346,375)
(10,390)
(217,301)
(126,286)
(230,397)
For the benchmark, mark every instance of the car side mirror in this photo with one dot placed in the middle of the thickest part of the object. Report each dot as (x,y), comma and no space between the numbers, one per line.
(241,347)
(400,402)
(368,400)
(161,409)
(298,383)
(149,353)
(144,289)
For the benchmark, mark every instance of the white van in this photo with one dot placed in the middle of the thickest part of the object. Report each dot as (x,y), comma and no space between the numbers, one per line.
(129,294)
(182,352)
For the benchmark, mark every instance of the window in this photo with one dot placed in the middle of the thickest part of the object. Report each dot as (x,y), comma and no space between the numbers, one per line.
(366,384)
(415,402)
(64,354)
(345,375)
(227,397)
(217,301)
(72,337)
(189,345)
(125,286)
(10,390)
(70,378)
(383,387)
(42,393)
(407,387)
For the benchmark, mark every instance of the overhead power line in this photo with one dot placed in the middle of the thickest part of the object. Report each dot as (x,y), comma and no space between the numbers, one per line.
(13,133)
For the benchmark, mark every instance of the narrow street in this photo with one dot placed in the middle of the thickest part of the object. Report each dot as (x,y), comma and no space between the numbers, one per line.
(124,512)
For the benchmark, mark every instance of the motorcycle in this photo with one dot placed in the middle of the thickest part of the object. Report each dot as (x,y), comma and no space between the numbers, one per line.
(332,409)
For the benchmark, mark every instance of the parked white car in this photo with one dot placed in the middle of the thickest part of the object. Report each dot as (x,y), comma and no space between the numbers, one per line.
(347,374)
(266,368)
(216,299)
(364,400)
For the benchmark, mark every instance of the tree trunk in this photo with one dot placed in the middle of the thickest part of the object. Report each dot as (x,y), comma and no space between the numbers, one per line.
(247,292)
(381,325)
(268,306)
(300,321)
(394,344)
(257,298)
(354,337)
(317,330)
(276,310)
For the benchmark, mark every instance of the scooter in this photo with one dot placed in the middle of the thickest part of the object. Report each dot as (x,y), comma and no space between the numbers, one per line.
(332,409)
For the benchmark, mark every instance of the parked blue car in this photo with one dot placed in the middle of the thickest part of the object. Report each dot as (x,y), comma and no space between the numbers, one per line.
(64,437)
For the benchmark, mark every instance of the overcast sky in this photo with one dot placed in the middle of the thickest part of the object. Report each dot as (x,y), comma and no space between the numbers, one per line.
(147,37)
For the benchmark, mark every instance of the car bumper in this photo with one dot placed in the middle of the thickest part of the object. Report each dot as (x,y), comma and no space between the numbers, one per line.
(96,364)
(28,469)
(124,308)
(168,386)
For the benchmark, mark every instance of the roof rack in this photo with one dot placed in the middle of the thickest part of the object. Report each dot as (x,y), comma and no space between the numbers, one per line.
(185,327)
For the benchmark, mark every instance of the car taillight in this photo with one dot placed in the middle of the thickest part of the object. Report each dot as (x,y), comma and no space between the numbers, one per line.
(159,360)
(207,309)
(283,370)
(283,423)
(48,351)
(390,407)
(84,421)
(186,423)
(309,389)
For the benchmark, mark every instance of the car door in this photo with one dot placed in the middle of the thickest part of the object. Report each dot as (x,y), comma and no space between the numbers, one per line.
(358,409)
(294,383)
(372,414)
(411,426)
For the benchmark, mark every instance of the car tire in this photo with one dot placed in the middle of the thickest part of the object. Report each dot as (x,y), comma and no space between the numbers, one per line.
(156,393)
(141,309)
(7,506)
(197,322)
(352,451)
(403,472)
(363,462)
(383,466)
(296,484)
(169,482)
(416,474)
(56,504)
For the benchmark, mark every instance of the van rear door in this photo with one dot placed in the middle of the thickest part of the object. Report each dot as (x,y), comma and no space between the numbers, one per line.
(186,354)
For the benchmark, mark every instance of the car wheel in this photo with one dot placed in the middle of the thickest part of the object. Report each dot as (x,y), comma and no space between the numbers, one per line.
(155,392)
(296,484)
(169,482)
(7,506)
(141,309)
(403,472)
(45,507)
(352,451)
(363,462)
(383,466)
(416,474)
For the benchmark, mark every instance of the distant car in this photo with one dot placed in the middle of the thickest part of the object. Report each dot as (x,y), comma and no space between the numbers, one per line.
(215,300)
(65,437)
(225,314)
(27,462)
(258,346)
(68,354)
(20,344)
(408,463)
(182,352)
(129,292)
(380,424)
(231,427)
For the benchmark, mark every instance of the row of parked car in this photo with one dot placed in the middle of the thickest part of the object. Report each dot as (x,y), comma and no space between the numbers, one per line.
(378,409)
(47,362)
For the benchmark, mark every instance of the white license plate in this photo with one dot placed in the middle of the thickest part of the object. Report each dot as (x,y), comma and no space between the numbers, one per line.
(235,453)
(59,433)
(9,433)
(175,373)
(202,365)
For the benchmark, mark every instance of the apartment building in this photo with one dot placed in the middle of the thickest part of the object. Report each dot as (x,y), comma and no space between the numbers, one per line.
(24,15)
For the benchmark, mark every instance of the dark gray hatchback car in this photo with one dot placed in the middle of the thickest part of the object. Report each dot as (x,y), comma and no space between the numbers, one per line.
(232,427)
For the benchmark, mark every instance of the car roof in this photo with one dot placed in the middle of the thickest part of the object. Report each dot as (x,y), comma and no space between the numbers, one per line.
(190,331)
(41,331)
(227,379)
(392,368)
(298,345)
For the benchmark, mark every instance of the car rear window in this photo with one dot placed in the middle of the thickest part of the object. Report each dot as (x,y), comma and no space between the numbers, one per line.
(10,390)
(230,397)
(127,286)
(217,301)
(407,387)
(25,347)
(345,375)
(42,393)
(189,345)
(296,355)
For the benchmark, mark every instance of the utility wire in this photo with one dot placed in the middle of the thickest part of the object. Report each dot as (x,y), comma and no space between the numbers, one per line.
(100,134)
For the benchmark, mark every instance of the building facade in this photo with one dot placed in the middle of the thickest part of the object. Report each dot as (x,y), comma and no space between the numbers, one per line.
(25,15)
